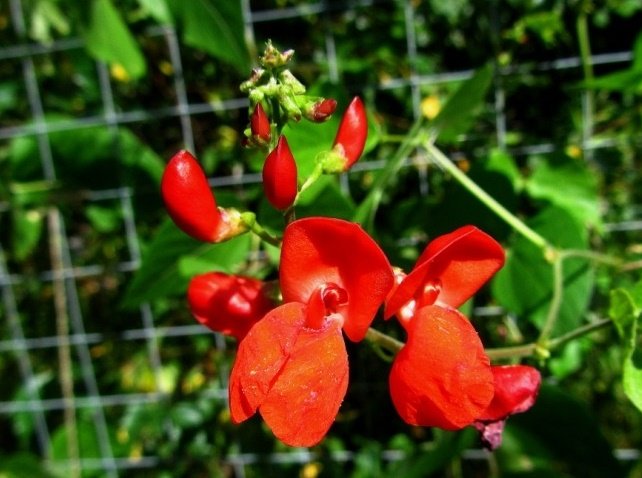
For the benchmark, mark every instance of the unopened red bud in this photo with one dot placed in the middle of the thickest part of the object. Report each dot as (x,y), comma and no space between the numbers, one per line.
(260,124)
(189,199)
(280,176)
(352,133)
(322,110)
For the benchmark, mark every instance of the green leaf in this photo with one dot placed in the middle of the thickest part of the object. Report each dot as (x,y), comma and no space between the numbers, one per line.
(632,376)
(89,158)
(458,114)
(625,314)
(501,162)
(173,258)
(569,185)
(215,27)
(103,219)
(559,434)
(108,39)
(26,231)
(23,465)
(623,311)
(157,9)
(525,284)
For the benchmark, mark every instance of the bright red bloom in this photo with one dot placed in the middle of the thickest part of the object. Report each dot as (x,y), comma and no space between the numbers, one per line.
(260,124)
(191,203)
(352,133)
(516,388)
(292,366)
(449,271)
(228,304)
(280,176)
(442,377)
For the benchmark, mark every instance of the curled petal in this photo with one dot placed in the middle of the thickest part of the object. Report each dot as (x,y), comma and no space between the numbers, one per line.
(189,199)
(458,264)
(227,303)
(305,397)
(516,388)
(441,377)
(261,356)
(320,251)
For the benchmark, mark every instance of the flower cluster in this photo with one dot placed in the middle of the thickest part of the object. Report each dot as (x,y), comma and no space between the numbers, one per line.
(291,365)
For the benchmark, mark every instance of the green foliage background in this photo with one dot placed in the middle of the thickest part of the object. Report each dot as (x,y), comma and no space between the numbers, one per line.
(567,160)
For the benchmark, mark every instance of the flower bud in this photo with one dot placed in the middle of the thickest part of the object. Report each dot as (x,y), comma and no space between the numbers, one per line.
(320,110)
(352,133)
(228,304)
(189,199)
(280,176)
(260,124)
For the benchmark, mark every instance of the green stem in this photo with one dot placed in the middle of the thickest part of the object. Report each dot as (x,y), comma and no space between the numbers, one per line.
(517,224)
(383,340)
(556,301)
(366,212)
(593,256)
(533,348)
(249,219)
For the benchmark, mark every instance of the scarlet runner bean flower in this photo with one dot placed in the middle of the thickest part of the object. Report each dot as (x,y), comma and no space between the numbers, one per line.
(280,176)
(292,366)
(516,388)
(321,110)
(229,304)
(191,203)
(442,377)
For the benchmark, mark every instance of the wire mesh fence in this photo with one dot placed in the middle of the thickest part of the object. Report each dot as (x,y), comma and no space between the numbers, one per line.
(51,325)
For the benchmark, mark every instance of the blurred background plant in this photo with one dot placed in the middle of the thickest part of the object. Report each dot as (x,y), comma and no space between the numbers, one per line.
(103,371)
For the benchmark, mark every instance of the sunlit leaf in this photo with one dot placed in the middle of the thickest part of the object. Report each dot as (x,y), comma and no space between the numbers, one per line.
(173,258)
(215,27)
(108,38)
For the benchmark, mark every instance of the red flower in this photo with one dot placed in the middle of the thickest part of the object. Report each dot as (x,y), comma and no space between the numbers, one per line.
(226,303)
(516,388)
(191,203)
(292,366)
(280,176)
(442,377)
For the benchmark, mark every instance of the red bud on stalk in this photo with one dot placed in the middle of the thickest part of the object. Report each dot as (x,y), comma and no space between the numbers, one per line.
(189,199)
(260,124)
(352,133)
(280,176)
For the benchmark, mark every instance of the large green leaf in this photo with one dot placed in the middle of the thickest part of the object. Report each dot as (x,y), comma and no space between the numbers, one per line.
(559,436)
(216,27)
(625,314)
(23,465)
(173,258)
(108,39)
(458,114)
(89,158)
(524,285)
(569,185)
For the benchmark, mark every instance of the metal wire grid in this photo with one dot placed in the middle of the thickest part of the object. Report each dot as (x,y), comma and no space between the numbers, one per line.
(17,344)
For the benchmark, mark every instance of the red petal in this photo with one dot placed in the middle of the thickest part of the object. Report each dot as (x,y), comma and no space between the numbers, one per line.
(280,176)
(305,398)
(516,388)
(261,356)
(317,251)
(189,199)
(353,132)
(226,303)
(441,377)
(461,262)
